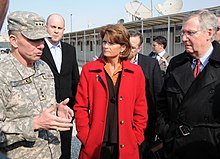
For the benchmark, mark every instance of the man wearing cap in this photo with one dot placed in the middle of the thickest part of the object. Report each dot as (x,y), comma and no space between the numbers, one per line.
(29,117)
(3,10)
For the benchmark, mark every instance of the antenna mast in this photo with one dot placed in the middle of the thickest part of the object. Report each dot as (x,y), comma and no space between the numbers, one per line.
(151,5)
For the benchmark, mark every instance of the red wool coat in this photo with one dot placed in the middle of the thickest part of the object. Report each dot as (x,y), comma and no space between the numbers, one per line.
(91,109)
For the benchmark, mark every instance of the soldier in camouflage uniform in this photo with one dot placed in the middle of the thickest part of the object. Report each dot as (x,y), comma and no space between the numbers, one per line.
(3,10)
(29,118)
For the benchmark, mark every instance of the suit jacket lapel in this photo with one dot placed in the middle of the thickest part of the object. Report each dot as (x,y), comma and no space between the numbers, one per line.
(49,56)
(140,61)
(64,58)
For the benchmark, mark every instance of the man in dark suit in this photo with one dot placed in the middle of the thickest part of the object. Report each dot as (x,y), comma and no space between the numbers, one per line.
(154,82)
(188,108)
(158,46)
(61,57)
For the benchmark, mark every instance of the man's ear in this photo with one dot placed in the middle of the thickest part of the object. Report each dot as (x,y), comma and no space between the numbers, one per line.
(140,48)
(13,41)
(210,33)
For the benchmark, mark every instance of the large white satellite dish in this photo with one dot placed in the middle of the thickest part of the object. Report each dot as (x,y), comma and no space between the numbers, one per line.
(137,10)
(169,7)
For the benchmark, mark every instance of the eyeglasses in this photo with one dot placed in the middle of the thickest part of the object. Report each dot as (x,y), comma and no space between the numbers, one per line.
(188,33)
(108,43)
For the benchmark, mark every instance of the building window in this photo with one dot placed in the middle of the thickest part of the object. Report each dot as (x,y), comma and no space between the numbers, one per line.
(91,46)
(177,39)
(148,40)
(87,42)
(81,45)
(97,42)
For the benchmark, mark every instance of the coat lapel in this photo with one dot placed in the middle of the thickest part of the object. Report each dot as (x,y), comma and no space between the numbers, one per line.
(64,61)
(141,61)
(98,68)
(184,76)
(206,77)
(49,56)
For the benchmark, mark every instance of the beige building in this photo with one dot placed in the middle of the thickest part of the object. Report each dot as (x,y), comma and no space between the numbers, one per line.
(88,42)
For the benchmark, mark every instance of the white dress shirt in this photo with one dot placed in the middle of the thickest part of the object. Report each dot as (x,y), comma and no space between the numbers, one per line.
(159,55)
(56,52)
(204,60)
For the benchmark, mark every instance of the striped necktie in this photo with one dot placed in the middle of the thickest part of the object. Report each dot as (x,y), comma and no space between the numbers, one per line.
(196,70)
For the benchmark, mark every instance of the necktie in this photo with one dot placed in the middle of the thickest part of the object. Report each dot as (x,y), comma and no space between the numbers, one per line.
(197,68)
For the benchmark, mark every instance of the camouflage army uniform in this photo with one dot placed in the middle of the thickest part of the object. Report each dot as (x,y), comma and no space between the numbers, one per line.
(24,93)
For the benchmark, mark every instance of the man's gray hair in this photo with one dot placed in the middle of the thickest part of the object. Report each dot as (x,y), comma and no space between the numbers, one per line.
(207,20)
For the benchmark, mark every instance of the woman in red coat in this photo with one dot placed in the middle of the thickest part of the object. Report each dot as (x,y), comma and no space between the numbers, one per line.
(111,107)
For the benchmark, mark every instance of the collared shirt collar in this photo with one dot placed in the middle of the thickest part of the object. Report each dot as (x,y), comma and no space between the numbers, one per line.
(56,52)
(162,53)
(50,45)
(115,75)
(23,70)
(205,59)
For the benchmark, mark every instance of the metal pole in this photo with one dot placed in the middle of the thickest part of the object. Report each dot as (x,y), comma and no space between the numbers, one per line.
(151,8)
(84,47)
(71,27)
(168,36)
(142,32)
(95,49)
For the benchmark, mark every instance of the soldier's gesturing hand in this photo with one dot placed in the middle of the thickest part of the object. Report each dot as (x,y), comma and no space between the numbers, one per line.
(64,111)
(48,120)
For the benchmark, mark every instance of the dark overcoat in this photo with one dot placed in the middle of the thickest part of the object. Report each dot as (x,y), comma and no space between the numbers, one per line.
(189,109)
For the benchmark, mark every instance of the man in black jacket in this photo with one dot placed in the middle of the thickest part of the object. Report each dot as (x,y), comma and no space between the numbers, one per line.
(154,82)
(188,108)
(61,57)
(217,38)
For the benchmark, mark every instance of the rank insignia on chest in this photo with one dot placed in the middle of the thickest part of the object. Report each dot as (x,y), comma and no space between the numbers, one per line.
(21,82)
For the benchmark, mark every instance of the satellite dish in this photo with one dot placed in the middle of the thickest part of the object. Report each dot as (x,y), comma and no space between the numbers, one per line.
(121,21)
(137,10)
(169,7)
